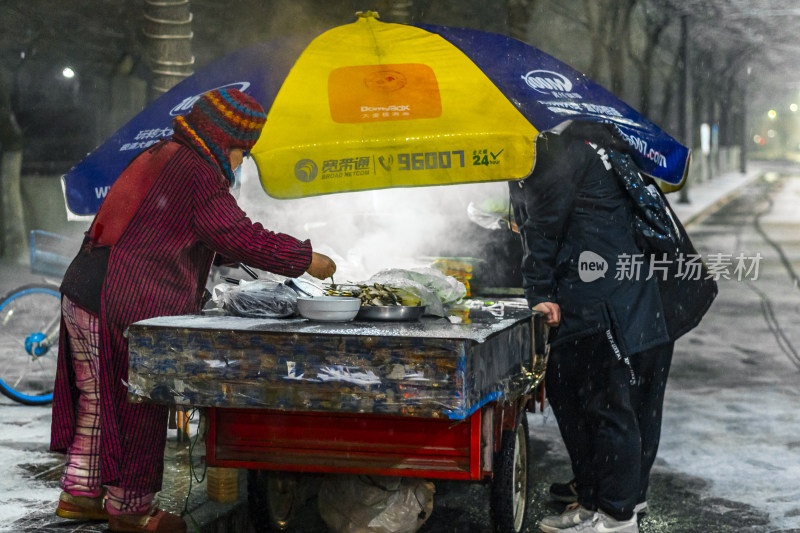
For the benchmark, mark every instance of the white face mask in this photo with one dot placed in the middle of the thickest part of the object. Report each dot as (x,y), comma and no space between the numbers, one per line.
(236,186)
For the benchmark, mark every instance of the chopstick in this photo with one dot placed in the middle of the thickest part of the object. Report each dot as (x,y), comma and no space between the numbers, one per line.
(249,270)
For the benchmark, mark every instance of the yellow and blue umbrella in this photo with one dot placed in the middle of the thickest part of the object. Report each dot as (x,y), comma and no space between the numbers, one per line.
(373,105)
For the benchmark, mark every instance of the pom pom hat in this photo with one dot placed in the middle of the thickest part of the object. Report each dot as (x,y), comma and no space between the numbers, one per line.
(219,121)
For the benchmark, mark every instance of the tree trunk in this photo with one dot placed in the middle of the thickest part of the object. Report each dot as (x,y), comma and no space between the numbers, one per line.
(743,132)
(646,71)
(619,43)
(12,220)
(669,87)
(684,113)
(594,10)
(168,32)
(399,11)
(14,241)
(519,16)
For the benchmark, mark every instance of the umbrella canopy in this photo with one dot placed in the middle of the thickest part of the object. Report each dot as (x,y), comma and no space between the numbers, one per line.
(373,105)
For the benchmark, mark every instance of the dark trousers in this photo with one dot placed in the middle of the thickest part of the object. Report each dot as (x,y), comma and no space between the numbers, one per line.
(611,427)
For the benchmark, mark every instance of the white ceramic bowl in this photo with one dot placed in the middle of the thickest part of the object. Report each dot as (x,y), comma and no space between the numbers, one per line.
(329,308)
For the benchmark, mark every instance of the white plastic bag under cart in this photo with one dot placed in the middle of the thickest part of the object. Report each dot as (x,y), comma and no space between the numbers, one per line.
(374,504)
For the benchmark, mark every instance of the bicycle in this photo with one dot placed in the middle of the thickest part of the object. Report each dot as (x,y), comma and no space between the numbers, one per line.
(30,319)
(29,326)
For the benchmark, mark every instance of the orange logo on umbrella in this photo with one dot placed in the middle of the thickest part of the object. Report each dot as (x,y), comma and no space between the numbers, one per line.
(373,93)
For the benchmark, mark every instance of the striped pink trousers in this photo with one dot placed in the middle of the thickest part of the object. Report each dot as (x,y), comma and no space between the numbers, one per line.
(81,475)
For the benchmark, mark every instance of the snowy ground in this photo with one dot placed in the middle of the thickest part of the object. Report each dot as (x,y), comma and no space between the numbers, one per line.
(26,462)
(732,410)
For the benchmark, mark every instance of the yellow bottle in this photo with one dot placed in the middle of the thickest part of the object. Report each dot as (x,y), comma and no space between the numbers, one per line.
(222,484)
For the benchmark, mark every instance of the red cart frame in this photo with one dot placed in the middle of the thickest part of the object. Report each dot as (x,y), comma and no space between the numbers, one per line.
(360,443)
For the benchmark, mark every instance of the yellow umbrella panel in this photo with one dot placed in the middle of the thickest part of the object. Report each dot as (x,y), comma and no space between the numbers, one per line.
(372,105)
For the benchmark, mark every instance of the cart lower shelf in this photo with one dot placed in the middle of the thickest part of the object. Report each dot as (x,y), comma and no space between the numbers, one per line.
(278,446)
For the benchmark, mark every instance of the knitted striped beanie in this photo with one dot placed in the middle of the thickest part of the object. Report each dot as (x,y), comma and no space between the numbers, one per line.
(221,120)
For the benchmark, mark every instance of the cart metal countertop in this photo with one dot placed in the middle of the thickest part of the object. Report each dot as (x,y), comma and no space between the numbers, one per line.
(433,367)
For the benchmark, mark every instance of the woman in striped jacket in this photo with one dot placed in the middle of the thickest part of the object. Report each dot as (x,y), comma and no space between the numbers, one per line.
(148,253)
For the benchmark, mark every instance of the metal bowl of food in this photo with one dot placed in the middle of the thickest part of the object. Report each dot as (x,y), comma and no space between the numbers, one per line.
(401,313)
(328,308)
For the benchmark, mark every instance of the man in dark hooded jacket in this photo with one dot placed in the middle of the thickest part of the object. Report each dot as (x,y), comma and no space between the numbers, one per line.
(618,314)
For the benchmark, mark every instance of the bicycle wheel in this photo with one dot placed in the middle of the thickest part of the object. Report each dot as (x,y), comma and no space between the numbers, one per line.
(30,317)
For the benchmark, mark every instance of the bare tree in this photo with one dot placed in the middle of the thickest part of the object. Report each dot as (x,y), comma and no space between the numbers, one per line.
(518,14)
(400,11)
(618,41)
(656,19)
(595,22)
(668,86)
(12,244)
(35,34)
(12,215)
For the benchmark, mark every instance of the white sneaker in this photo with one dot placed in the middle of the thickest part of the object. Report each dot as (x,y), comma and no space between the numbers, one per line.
(574,515)
(602,523)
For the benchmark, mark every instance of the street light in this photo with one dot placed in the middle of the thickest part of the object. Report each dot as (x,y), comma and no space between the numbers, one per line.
(68,73)
(793,108)
(772,113)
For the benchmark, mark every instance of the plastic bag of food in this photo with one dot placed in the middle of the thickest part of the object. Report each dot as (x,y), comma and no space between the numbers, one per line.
(374,504)
(433,305)
(257,299)
(446,289)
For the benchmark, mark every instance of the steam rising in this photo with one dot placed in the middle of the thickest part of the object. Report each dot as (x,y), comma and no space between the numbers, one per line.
(364,232)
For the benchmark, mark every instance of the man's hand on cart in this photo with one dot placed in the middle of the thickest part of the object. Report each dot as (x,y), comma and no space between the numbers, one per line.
(321,266)
(551,312)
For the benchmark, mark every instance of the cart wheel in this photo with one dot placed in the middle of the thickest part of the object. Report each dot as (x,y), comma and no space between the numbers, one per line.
(510,486)
(272,499)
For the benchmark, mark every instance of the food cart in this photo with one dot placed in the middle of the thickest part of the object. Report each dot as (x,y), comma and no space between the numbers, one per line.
(363,107)
(436,398)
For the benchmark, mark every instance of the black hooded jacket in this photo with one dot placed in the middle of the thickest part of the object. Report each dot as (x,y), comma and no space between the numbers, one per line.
(580,251)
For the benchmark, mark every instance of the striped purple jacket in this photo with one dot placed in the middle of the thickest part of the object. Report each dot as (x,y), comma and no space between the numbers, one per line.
(158,267)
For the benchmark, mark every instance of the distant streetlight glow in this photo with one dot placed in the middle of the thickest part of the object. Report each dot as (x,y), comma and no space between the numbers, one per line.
(771,134)
(772,113)
(68,73)
(793,108)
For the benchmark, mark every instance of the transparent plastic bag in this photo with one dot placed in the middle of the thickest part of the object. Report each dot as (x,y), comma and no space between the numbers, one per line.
(374,504)
(434,288)
(489,216)
(257,299)
(433,305)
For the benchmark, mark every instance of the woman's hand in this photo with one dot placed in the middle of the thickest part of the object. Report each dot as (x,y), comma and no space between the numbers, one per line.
(321,266)
(551,312)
